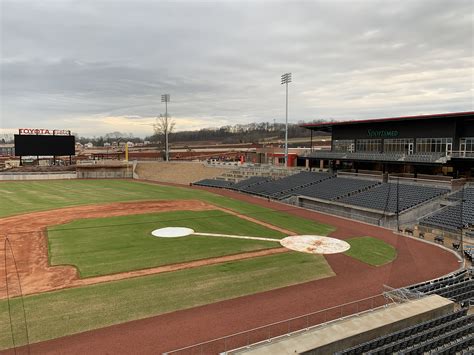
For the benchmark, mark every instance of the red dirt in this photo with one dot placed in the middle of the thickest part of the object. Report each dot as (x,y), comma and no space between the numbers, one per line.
(30,247)
(416,261)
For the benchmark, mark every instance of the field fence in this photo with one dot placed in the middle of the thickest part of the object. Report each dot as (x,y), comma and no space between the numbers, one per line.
(288,327)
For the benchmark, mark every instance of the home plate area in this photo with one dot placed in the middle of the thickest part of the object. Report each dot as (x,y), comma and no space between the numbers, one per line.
(312,244)
(315,244)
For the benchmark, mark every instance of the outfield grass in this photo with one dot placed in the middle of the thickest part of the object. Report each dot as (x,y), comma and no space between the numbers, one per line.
(54,314)
(371,251)
(102,246)
(59,313)
(28,196)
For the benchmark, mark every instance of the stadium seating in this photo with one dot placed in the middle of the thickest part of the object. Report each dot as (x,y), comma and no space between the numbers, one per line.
(387,196)
(454,216)
(287,186)
(244,184)
(442,332)
(459,286)
(464,345)
(214,183)
(357,192)
(442,335)
(335,188)
(467,194)
(469,253)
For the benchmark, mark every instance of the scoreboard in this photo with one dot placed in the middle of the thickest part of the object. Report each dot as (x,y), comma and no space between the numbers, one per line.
(44,142)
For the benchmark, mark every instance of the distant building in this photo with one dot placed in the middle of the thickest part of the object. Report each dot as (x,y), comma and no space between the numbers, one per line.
(7,150)
(89,145)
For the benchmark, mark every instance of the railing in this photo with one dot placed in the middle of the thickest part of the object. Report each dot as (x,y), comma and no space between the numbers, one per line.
(462,154)
(105,162)
(379,156)
(376,177)
(270,332)
(420,181)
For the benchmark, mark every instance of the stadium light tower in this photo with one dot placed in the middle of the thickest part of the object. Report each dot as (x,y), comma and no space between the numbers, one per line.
(166,98)
(286,79)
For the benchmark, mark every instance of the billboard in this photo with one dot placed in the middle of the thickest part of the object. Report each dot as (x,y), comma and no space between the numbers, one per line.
(50,145)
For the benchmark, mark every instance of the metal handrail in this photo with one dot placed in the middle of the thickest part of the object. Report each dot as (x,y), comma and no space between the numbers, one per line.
(253,330)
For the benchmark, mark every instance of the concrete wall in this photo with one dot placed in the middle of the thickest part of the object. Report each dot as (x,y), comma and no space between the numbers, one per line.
(348,211)
(105,173)
(344,333)
(135,174)
(36,176)
(395,319)
(412,215)
(388,220)
(178,172)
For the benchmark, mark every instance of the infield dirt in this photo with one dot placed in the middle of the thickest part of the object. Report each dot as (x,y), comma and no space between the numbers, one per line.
(27,236)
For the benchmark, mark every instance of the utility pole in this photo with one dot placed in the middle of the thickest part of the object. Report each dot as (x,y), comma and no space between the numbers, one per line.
(398,207)
(461,244)
(286,79)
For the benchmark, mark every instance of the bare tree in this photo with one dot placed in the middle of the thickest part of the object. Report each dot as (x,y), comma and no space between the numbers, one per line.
(163,126)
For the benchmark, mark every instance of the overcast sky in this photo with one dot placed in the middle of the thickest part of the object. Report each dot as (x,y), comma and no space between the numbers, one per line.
(100,66)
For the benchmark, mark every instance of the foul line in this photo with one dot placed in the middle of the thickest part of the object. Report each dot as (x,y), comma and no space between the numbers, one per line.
(237,237)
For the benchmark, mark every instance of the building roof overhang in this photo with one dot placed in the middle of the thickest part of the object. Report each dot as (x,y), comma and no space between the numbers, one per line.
(327,126)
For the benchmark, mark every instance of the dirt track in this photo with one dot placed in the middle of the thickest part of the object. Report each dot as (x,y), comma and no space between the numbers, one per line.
(416,261)
(27,237)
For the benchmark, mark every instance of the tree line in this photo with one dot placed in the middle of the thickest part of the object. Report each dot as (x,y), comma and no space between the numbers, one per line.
(239,133)
(230,134)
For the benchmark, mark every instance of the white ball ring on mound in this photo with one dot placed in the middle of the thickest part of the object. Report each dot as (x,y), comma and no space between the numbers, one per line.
(172,232)
(315,244)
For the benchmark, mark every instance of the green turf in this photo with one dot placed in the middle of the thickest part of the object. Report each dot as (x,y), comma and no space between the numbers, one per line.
(65,312)
(60,313)
(28,196)
(371,251)
(104,246)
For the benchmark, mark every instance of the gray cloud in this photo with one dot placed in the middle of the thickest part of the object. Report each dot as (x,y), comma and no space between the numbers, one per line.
(94,65)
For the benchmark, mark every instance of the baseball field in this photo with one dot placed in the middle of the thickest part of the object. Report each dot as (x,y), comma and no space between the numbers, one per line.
(79,255)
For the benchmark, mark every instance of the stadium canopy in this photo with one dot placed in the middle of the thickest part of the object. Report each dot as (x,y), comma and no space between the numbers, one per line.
(327,126)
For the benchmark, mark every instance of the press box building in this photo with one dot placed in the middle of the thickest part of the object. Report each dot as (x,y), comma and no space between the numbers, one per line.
(429,144)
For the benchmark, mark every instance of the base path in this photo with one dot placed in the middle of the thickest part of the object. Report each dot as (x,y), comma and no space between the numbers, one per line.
(239,237)
(27,235)
(416,261)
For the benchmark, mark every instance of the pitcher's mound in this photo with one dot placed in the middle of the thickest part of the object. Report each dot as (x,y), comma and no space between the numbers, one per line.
(172,232)
(315,244)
